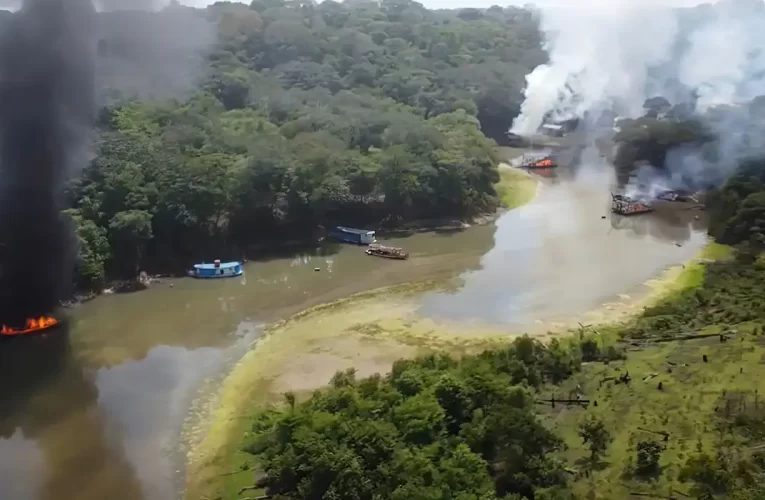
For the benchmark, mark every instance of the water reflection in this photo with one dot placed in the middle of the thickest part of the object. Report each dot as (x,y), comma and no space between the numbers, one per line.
(96,412)
(564,254)
(669,222)
(95,433)
(30,426)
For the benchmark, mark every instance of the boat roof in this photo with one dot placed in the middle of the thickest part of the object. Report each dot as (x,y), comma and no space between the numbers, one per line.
(223,265)
(354,230)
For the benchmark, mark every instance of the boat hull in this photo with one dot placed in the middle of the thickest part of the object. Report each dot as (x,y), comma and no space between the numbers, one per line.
(214,277)
(387,256)
(396,254)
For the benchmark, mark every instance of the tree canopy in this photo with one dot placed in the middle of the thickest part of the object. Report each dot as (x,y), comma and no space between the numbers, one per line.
(354,112)
(434,428)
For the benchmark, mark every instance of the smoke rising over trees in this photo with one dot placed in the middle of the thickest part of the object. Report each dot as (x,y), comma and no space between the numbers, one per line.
(605,59)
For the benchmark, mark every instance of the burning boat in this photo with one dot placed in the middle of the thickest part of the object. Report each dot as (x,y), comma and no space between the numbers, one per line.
(538,163)
(675,195)
(32,325)
(624,205)
(387,252)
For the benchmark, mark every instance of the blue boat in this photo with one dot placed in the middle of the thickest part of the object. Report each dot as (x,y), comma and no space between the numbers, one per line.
(351,235)
(217,269)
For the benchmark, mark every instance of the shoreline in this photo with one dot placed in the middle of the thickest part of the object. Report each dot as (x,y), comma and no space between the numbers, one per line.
(208,457)
(523,195)
(415,227)
(367,331)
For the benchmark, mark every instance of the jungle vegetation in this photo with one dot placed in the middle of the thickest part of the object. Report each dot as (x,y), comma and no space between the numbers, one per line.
(304,115)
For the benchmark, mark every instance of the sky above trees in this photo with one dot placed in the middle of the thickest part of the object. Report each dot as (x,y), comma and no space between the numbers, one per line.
(454,4)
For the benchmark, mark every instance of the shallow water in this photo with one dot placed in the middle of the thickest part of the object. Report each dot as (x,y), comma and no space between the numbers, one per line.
(565,255)
(95,409)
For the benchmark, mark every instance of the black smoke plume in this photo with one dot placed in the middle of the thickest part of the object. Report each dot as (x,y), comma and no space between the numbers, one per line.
(47,53)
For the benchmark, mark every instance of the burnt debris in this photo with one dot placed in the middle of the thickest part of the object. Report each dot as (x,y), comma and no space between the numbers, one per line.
(47,51)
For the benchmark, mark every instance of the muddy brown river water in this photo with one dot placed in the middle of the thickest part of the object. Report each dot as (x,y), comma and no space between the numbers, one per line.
(94,410)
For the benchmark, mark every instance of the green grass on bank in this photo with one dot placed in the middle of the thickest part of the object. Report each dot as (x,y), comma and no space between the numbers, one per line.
(701,404)
(515,187)
(684,408)
(714,294)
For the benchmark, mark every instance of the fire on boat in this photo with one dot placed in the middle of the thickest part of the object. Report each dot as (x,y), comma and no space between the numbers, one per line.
(31,325)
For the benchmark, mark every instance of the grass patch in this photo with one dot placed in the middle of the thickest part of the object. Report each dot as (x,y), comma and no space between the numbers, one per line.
(684,408)
(717,251)
(703,382)
(515,187)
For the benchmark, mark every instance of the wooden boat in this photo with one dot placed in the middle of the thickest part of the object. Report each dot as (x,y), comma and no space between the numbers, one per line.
(532,162)
(387,252)
(32,325)
(623,205)
(217,269)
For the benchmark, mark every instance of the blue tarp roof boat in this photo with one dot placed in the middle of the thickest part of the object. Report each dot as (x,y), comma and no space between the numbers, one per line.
(353,235)
(217,269)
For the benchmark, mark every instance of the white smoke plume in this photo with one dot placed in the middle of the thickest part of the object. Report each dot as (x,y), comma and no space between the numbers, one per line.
(629,51)
(598,56)
(614,57)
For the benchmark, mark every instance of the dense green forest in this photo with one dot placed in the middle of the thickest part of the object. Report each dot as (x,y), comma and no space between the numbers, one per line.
(306,114)
(470,427)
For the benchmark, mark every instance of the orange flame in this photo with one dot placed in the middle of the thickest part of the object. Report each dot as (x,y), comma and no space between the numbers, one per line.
(544,163)
(32,325)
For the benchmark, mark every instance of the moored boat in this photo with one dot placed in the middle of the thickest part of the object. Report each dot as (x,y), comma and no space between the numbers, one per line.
(352,235)
(387,252)
(217,269)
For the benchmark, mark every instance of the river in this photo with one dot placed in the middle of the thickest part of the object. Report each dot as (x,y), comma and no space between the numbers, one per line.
(95,409)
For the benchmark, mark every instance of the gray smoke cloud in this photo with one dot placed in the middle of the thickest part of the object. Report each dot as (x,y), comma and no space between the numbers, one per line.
(151,48)
(614,57)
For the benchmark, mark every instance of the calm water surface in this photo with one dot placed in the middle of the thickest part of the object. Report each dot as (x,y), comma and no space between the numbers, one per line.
(94,410)
(566,255)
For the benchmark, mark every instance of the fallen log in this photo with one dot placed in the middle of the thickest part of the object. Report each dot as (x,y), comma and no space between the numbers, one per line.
(679,338)
(581,402)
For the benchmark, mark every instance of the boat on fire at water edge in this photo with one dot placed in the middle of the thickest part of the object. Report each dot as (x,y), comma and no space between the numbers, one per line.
(624,205)
(217,269)
(32,325)
(535,162)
